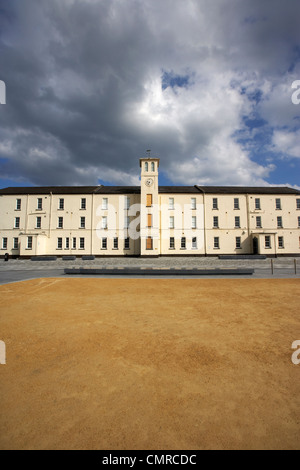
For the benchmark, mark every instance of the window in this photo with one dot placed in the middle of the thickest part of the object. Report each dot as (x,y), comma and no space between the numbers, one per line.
(59,243)
(215,203)
(238,243)
(280,242)
(298,222)
(74,244)
(60,222)
(17,222)
(258,222)
(29,243)
(149,200)
(127,244)
(278,204)
(126,222)
(40,204)
(279,222)
(83,204)
(216,222)
(183,243)
(104,223)
(216,243)
(194,203)
(105,203)
(4,243)
(104,243)
(257,204)
(149,220)
(172,222)
(127,203)
(194,221)
(267,241)
(16,244)
(172,243)
(149,243)
(171,203)
(297,204)
(194,243)
(236,203)
(237,222)
(82,222)
(61,204)
(67,243)
(116,243)
(19,202)
(38,222)
(146,166)
(82,243)
(153,167)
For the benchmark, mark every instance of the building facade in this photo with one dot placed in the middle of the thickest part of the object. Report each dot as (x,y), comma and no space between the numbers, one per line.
(149,220)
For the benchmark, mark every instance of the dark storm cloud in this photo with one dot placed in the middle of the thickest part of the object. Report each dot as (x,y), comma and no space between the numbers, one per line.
(86,95)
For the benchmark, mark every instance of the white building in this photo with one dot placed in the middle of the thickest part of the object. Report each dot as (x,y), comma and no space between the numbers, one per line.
(149,220)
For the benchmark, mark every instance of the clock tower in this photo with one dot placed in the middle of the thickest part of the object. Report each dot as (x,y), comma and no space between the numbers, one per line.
(150,245)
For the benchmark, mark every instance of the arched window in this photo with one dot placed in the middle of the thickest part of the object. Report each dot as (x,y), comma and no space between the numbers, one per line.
(146,166)
(152,166)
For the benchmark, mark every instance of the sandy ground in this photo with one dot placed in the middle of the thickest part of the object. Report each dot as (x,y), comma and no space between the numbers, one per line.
(150,364)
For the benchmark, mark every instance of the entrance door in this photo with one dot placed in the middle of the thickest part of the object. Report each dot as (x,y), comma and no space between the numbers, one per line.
(255,246)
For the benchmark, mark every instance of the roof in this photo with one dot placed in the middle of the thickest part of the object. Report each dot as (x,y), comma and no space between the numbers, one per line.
(247,190)
(162,190)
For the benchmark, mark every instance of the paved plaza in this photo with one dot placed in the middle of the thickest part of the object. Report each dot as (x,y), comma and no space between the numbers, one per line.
(21,269)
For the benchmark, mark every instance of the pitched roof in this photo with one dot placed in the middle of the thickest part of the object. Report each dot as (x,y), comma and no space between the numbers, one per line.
(136,190)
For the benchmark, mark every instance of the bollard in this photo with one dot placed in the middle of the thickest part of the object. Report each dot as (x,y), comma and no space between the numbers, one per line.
(295,266)
(6,257)
(272,266)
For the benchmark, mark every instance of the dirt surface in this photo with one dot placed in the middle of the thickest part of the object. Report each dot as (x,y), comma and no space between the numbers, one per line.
(150,364)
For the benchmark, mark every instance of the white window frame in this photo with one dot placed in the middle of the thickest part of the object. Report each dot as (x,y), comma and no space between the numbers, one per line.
(61,204)
(29,243)
(18,204)
(104,243)
(257,204)
(194,222)
(4,243)
(216,243)
(15,243)
(172,243)
(39,204)
(215,221)
(82,243)
(82,222)
(171,203)
(236,204)
(258,221)
(104,222)
(38,222)
(171,222)
(194,243)
(83,204)
(105,203)
(116,243)
(127,243)
(183,243)
(279,222)
(194,203)
(238,243)
(17,222)
(281,242)
(59,243)
(237,222)
(278,204)
(215,204)
(268,242)
(60,223)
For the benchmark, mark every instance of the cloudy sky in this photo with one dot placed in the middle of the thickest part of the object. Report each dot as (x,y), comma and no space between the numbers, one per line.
(205,84)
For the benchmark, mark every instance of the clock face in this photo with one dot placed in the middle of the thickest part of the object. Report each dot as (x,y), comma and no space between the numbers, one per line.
(149,182)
